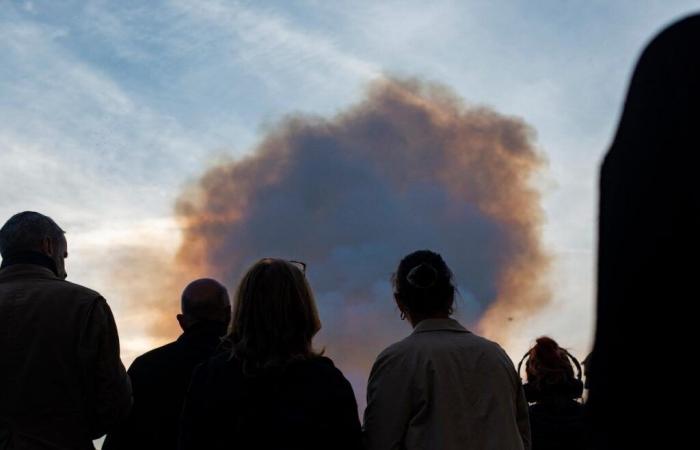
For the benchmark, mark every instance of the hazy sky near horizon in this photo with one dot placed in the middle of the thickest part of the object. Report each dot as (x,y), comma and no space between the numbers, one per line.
(109,109)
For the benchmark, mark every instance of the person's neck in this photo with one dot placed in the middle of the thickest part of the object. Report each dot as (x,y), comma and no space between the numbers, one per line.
(207,325)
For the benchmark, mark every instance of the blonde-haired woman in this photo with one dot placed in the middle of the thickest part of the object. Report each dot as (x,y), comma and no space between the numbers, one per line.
(271,390)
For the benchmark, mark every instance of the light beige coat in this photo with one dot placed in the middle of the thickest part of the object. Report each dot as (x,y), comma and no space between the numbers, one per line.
(444,388)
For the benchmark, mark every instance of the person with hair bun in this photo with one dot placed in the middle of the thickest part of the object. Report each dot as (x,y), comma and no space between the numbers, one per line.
(556,417)
(442,387)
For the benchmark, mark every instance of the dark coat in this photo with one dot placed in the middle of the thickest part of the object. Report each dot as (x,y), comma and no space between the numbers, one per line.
(160,379)
(62,383)
(558,425)
(307,405)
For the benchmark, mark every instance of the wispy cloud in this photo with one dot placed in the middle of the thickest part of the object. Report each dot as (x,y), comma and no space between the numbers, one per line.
(264,41)
(78,145)
(107,108)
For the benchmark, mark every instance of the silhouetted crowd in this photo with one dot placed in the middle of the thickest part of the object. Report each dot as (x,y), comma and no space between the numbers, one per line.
(245,374)
(249,377)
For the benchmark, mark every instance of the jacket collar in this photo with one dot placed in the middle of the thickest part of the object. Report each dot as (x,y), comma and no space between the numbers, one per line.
(26,271)
(29,258)
(204,330)
(439,325)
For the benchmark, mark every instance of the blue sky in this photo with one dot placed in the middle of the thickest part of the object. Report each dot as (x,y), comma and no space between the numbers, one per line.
(108,109)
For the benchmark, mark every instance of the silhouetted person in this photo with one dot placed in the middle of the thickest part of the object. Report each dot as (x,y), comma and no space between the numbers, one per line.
(649,239)
(272,390)
(62,383)
(552,388)
(442,387)
(160,378)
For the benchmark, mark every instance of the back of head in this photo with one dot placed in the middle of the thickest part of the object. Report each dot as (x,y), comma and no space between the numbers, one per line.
(423,284)
(548,364)
(274,316)
(550,374)
(206,300)
(25,231)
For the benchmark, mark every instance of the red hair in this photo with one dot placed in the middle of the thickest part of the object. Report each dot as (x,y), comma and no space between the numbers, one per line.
(548,363)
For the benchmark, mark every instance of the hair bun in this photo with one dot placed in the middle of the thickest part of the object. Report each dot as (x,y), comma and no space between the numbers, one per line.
(423,276)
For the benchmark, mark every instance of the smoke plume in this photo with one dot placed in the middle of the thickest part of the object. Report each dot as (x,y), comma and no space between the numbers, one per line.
(410,167)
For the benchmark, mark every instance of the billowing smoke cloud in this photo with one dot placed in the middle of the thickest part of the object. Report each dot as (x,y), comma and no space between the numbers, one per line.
(408,168)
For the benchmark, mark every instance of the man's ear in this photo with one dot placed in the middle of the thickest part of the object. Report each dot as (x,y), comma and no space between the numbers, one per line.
(182,320)
(47,246)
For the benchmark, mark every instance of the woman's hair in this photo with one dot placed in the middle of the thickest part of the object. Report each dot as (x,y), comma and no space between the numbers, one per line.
(274,316)
(423,284)
(548,364)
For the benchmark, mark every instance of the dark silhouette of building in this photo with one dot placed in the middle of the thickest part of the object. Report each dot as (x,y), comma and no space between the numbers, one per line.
(649,241)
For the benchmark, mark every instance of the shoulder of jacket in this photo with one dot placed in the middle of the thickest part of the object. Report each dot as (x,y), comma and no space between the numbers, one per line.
(79,290)
(399,350)
(153,355)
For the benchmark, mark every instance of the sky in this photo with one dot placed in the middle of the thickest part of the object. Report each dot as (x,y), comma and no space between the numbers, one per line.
(108,110)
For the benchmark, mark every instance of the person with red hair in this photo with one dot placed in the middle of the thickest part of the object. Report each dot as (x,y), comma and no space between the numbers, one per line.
(553,390)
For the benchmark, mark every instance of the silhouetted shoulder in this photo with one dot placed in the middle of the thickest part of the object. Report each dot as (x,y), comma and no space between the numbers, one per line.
(155,354)
(325,368)
(78,291)
(492,348)
(428,341)
(319,371)
(424,349)
(219,361)
(397,350)
(323,365)
(34,280)
(225,361)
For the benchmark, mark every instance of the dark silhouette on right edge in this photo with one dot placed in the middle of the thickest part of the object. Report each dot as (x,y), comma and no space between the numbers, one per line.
(649,242)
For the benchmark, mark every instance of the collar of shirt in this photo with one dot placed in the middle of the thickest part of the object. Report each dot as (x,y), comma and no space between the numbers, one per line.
(439,325)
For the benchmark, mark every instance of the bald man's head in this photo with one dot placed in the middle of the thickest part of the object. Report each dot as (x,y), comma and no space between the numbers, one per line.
(204,300)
